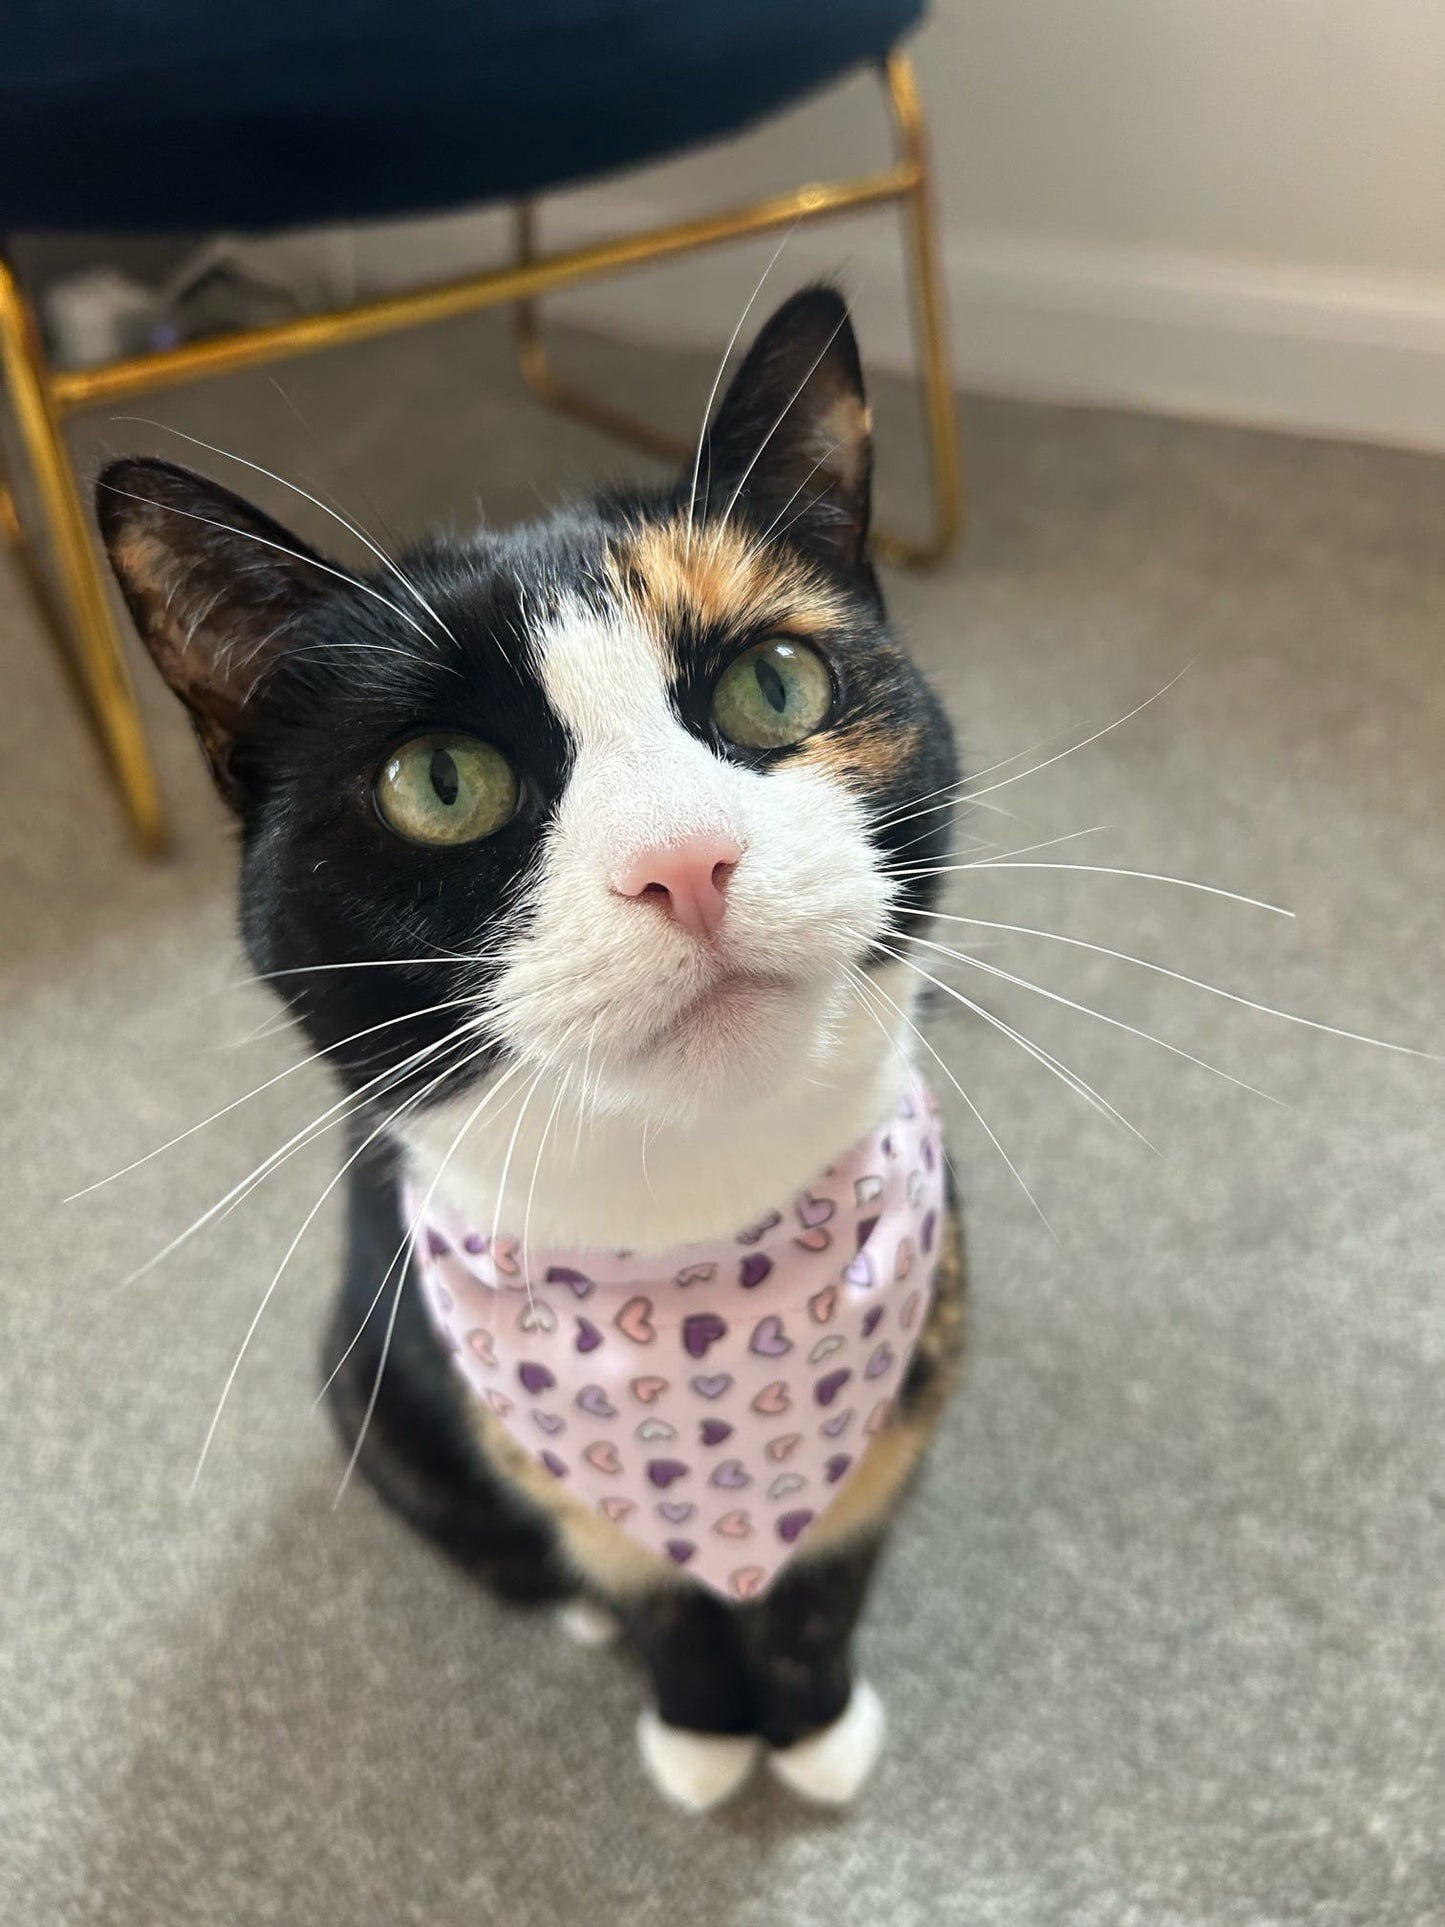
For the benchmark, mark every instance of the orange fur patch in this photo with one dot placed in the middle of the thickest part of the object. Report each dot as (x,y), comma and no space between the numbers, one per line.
(721,578)
(862,756)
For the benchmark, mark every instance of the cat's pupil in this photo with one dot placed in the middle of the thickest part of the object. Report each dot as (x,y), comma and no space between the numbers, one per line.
(444,778)
(774,689)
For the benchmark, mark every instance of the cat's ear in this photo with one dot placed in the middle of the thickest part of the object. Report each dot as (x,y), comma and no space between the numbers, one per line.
(793,434)
(214,587)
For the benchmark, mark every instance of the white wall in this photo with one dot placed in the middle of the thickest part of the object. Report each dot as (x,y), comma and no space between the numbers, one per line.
(1222,207)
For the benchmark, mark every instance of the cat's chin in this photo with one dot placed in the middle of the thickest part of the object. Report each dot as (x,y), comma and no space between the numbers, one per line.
(732,1042)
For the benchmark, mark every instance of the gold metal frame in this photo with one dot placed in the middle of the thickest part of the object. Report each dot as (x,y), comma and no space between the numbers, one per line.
(81,612)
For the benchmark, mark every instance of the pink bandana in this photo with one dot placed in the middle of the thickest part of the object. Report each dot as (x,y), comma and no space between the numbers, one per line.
(711,1401)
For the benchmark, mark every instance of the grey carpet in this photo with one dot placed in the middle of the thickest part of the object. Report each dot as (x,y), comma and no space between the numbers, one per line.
(1161,1637)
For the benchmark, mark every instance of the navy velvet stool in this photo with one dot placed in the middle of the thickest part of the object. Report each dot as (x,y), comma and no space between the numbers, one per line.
(162,114)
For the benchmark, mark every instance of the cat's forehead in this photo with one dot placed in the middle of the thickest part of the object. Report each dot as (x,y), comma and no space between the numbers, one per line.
(613,621)
(681,578)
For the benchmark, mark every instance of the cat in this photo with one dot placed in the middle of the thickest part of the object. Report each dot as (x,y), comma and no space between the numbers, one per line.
(572,846)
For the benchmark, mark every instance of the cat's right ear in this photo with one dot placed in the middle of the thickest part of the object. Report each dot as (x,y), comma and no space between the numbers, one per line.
(214,587)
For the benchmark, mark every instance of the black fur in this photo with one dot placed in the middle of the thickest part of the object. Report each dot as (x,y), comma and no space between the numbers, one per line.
(301,679)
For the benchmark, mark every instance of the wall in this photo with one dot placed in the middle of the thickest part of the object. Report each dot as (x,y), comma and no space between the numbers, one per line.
(1224,207)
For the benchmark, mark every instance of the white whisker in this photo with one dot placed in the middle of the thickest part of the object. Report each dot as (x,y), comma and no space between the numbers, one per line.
(317,1126)
(270,1290)
(1034,769)
(181,1136)
(343,521)
(420,1213)
(1099,870)
(783,416)
(494,1090)
(879,991)
(717,378)
(1195,983)
(1086,1010)
(310,561)
(1079,1085)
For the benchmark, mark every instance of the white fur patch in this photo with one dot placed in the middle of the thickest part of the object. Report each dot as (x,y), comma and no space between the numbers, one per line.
(586,1624)
(695,1771)
(669,1086)
(830,1767)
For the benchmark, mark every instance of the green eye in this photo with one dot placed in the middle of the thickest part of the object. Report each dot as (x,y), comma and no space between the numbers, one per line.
(775,693)
(446,789)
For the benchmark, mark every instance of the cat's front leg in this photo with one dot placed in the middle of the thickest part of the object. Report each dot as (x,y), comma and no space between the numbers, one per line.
(699,1741)
(729,1680)
(824,1725)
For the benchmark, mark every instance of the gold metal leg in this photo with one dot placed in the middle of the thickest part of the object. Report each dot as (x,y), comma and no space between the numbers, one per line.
(538,374)
(81,613)
(930,327)
(914,194)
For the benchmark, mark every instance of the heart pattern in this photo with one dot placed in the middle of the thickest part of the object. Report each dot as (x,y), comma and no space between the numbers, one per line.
(773,1400)
(748,1423)
(769,1340)
(695,1275)
(823,1304)
(578,1281)
(828,1387)
(634,1321)
(711,1384)
(700,1330)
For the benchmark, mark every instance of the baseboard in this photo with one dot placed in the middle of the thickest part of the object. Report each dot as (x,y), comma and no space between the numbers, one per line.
(1350,355)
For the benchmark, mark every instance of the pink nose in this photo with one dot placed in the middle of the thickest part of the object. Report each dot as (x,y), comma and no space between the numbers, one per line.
(688,880)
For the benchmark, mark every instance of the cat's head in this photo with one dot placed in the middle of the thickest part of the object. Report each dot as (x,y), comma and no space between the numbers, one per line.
(610,790)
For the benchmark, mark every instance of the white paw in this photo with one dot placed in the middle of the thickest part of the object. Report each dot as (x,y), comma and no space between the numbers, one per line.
(829,1767)
(587,1624)
(696,1771)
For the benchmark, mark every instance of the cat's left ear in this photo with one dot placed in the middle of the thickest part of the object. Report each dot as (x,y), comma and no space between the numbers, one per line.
(214,587)
(793,436)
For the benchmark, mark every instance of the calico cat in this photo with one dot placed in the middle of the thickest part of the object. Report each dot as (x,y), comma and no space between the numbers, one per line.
(572,846)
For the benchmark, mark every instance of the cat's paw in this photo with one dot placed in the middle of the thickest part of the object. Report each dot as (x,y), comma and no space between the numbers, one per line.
(695,1771)
(587,1624)
(829,1767)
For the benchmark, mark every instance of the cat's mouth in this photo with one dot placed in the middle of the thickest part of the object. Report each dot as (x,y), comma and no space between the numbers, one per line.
(734,999)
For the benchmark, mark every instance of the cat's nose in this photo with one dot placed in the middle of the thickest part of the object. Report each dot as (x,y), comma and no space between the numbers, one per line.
(687,880)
